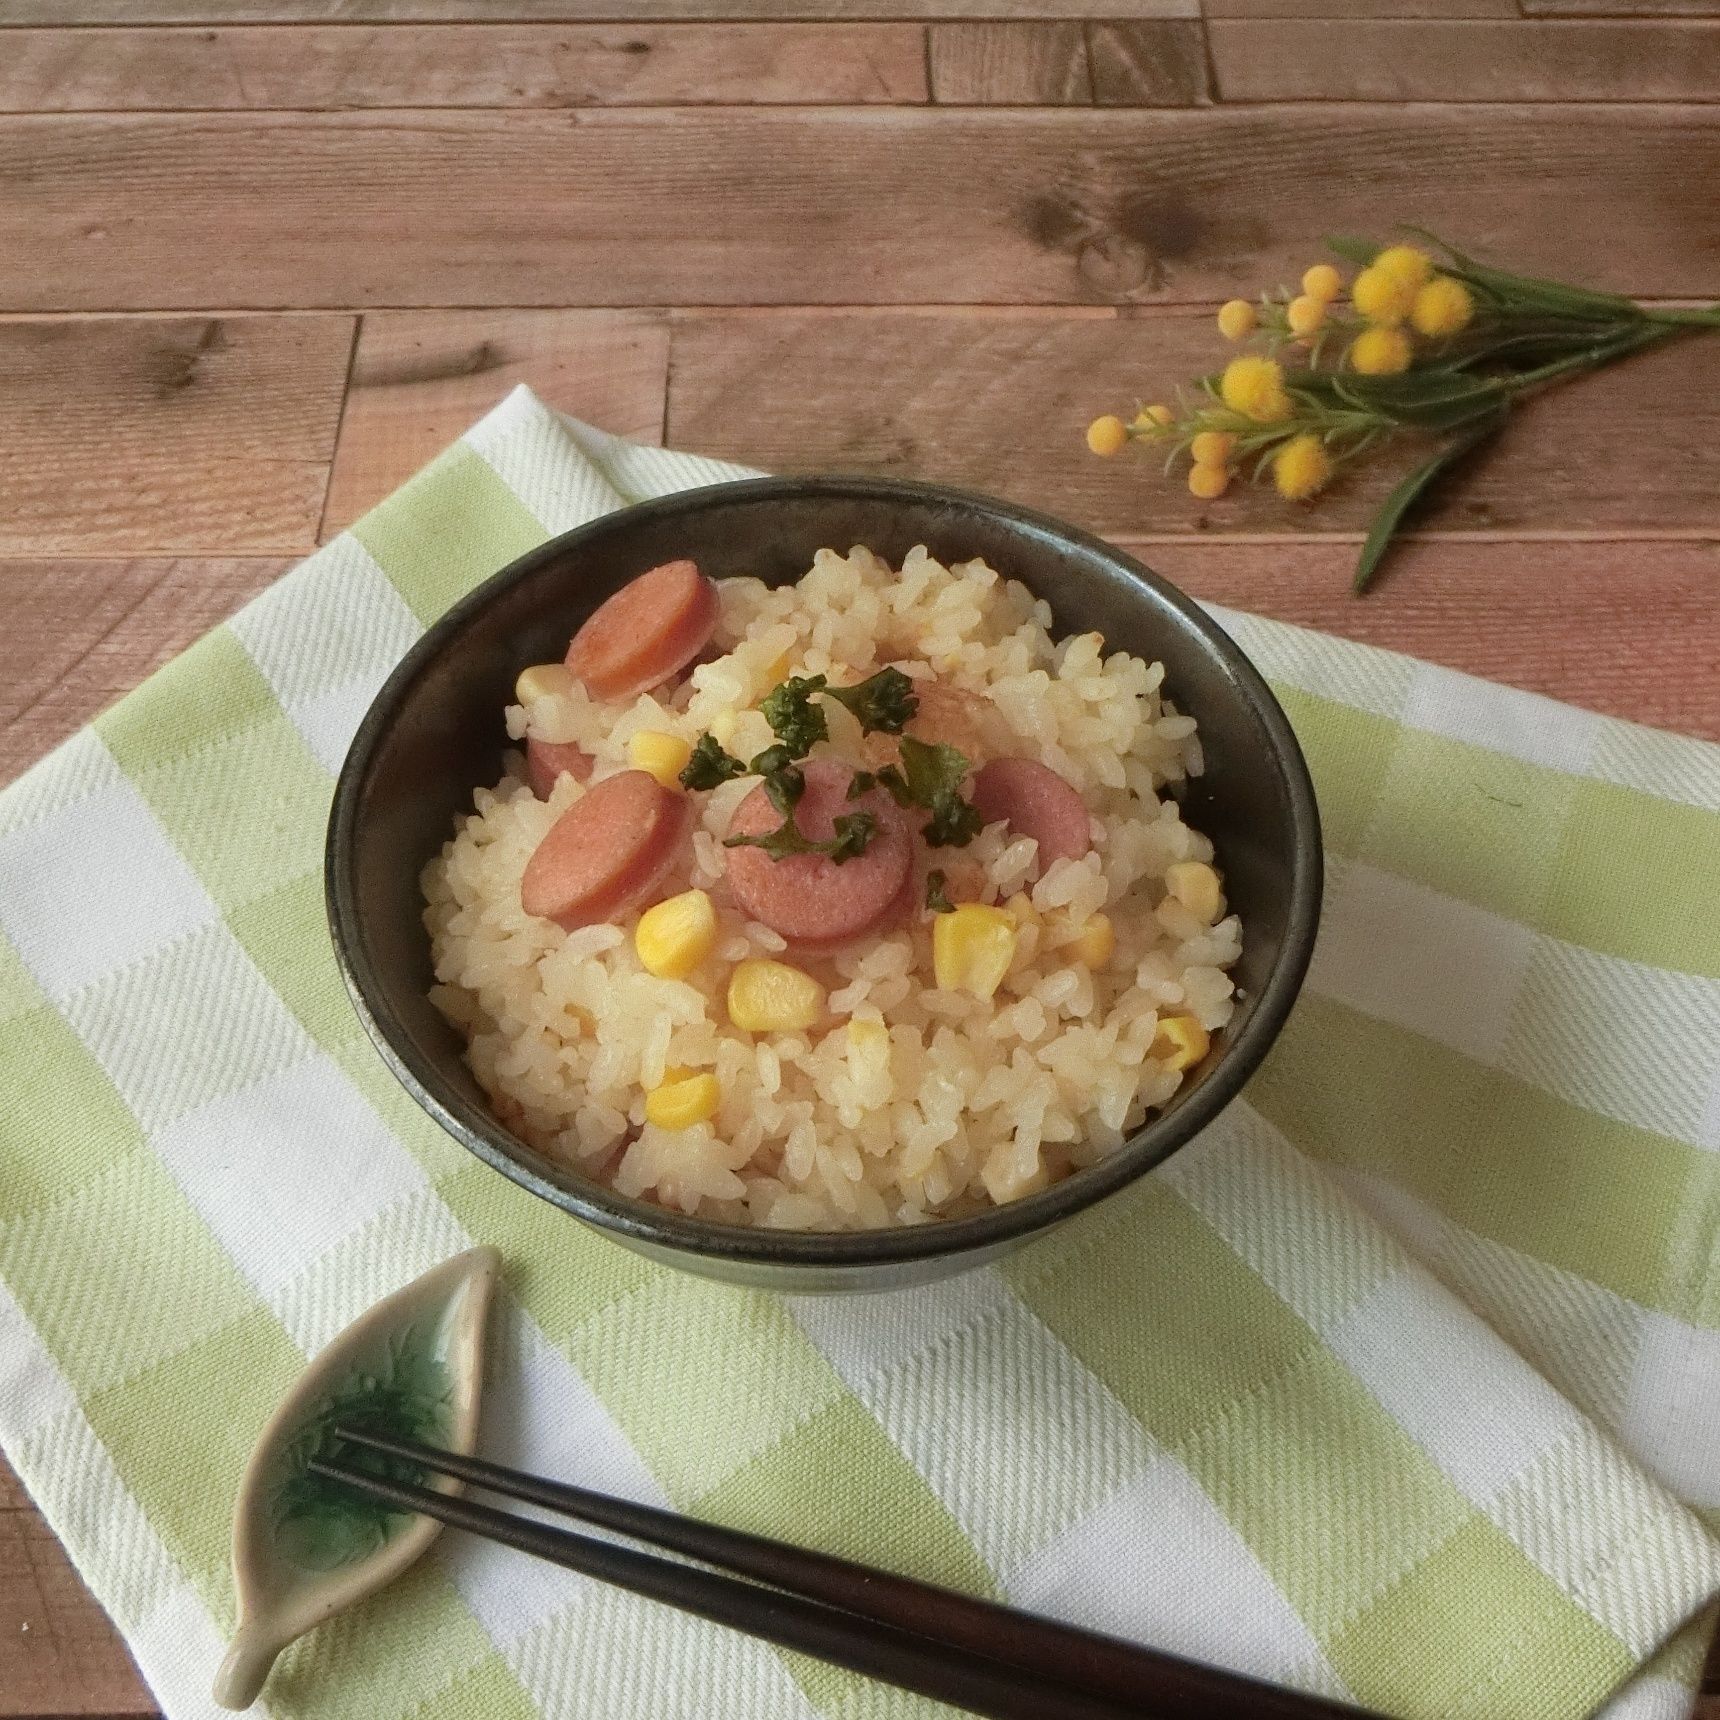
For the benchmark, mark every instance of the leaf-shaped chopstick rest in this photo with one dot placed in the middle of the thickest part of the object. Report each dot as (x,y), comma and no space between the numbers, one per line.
(305,1548)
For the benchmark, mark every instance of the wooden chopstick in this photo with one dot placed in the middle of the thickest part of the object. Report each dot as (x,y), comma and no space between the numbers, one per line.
(879,1651)
(892,1620)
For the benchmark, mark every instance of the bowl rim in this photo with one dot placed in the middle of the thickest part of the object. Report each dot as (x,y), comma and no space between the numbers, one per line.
(642,1222)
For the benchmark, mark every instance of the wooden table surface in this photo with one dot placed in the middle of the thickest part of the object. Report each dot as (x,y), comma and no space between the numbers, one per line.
(260,258)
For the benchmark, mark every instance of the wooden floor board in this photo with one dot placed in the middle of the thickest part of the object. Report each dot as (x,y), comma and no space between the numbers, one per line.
(1010,63)
(421,377)
(1001,404)
(151,435)
(78,634)
(742,206)
(61,1656)
(85,12)
(261,67)
(1156,63)
(1529,614)
(1474,60)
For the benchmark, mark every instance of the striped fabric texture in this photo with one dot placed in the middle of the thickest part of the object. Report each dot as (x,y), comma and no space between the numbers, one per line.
(1401,1383)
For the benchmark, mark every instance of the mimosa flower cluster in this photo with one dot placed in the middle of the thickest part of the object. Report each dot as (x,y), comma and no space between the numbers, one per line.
(1406,345)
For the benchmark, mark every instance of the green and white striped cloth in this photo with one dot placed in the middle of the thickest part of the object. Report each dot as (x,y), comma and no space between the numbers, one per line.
(1401,1383)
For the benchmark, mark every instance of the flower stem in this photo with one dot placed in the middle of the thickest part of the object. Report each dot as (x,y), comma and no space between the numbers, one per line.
(1708,317)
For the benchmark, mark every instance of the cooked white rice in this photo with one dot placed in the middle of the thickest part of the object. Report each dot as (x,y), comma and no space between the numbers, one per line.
(909,1103)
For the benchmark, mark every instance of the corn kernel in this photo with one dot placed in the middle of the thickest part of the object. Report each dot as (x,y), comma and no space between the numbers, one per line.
(1095,943)
(675,936)
(1180,1041)
(723,726)
(659,755)
(972,948)
(772,997)
(542,681)
(1020,908)
(1196,886)
(683,1099)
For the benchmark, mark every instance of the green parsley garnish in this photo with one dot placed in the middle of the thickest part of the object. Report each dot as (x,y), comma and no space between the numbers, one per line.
(936,900)
(884,703)
(794,718)
(710,765)
(934,780)
(854,830)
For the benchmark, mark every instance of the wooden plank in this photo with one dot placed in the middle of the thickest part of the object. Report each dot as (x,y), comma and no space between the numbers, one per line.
(458,65)
(87,12)
(1622,8)
(735,206)
(78,634)
(1336,60)
(62,1657)
(1160,63)
(1000,64)
(168,434)
(1362,8)
(1530,614)
(999,402)
(419,378)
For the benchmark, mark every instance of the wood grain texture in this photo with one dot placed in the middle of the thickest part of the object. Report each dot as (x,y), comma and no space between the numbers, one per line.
(457,65)
(421,377)
(1157,63)
(167,434)
(676,205)
(1522,60)
(999,402)
(86,12)
(1621,8)
(79,634)
(1529,614)
(60,1656)
(1362,8)
(1005,63)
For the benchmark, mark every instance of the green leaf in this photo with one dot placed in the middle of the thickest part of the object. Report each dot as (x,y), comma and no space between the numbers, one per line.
(1533,292)
(884,703)
(1398,503)
(1358,251)
(710,765)
(796,721)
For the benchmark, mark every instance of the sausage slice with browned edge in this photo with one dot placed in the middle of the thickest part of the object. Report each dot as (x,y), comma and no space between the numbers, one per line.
(1034,801)
(548,761)
(651,629)
(612,850)
(808,898)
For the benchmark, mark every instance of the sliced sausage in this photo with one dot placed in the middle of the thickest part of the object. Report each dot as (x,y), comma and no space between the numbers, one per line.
(651,629)
(808,898)
(613,849)
(947,716)
(548,761)
(1034,801)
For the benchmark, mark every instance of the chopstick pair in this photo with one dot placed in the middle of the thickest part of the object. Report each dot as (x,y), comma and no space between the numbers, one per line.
(973,1654)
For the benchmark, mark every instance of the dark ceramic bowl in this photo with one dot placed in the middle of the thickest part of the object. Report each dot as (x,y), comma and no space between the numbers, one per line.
(435,733)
